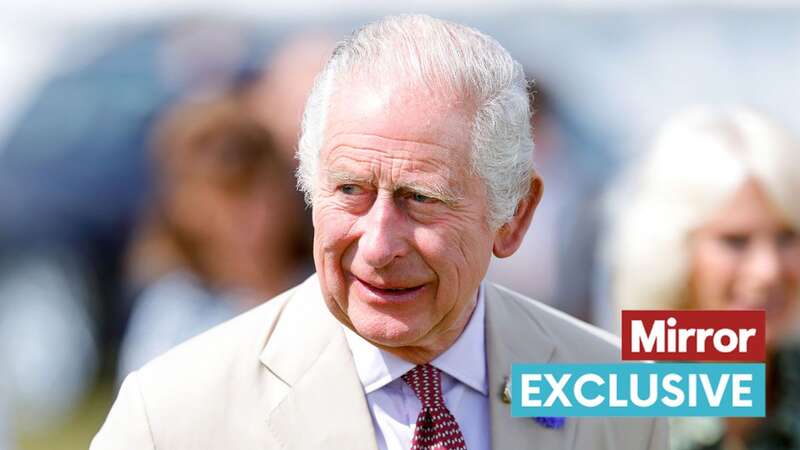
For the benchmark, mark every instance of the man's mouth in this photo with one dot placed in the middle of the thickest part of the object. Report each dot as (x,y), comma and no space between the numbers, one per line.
(389,292)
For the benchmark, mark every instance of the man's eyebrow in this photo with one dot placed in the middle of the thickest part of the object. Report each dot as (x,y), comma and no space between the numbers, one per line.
(433,190)
(439,191)
(337,177)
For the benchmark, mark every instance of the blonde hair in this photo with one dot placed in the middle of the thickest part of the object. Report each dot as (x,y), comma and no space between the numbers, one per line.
(698,161)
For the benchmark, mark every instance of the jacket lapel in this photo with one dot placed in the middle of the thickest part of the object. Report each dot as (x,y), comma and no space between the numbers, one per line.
(324,404)
(515,335)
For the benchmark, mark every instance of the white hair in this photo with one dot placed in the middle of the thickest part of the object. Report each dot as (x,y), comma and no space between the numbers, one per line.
(448,56)
(698,162)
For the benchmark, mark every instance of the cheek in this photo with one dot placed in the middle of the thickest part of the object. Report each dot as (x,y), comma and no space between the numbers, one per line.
(791,262)
(330,236)
(713,275)
(456,253)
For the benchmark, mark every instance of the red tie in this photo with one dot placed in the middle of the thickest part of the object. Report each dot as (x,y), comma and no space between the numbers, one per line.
(436,428)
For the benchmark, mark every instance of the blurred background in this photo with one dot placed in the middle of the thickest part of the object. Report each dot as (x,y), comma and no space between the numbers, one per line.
(146,158)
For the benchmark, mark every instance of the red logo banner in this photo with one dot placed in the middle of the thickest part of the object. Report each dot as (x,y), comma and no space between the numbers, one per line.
(666,335)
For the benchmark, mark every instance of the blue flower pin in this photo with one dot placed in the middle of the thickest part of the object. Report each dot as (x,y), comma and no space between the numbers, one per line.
(554,423)
(551,422)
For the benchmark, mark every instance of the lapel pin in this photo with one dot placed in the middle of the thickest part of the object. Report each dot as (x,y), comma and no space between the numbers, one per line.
(554,423)
(506,394)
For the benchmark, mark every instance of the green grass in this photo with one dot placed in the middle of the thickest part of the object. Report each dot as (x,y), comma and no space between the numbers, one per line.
(77,430)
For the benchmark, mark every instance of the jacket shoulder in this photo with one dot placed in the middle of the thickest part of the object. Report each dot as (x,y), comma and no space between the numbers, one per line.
(575,340)
(212,379)
(228,342)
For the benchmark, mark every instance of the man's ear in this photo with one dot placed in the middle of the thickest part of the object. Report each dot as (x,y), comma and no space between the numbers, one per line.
(508,237)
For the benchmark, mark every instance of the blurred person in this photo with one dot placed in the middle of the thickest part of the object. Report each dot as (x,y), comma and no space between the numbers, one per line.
(276,99)
(709,219)
(562,248)
(417,158)
(221,234)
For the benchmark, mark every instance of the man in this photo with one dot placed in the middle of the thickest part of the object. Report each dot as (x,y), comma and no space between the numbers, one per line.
(416,157)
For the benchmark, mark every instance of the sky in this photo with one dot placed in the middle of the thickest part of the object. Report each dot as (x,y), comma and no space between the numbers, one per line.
(33,31)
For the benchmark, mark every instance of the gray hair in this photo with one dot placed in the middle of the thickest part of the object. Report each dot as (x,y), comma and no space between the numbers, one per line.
(447,55)
(698,162)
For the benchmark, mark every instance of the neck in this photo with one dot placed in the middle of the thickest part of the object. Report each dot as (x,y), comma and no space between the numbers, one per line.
(417,355)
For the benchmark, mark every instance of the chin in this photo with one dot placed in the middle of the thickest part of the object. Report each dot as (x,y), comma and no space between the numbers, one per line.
(386,330)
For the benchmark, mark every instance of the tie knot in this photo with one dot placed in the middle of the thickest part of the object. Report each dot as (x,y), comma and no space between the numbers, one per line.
(425,381)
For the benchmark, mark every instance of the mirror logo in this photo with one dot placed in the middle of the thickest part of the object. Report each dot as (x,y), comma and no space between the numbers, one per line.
(715,367)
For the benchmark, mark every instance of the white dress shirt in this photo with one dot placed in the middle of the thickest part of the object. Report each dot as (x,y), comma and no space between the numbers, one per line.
(393,405)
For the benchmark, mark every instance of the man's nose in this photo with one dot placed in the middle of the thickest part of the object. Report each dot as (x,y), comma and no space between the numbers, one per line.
(382,240)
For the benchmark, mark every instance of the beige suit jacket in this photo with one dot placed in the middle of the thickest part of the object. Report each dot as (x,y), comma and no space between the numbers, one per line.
(282,377)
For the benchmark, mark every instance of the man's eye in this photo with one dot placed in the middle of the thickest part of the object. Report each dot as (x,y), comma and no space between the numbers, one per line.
(420,198)
(350,189)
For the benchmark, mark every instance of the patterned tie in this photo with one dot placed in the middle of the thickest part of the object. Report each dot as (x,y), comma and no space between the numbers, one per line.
(436,428)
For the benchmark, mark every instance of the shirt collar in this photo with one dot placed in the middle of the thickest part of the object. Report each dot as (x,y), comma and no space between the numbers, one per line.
(465,360)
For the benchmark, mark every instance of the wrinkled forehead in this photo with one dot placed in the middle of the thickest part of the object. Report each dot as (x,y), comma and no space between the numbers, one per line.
(398,132)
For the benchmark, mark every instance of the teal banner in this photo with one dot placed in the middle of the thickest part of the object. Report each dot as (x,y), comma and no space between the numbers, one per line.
(638,389)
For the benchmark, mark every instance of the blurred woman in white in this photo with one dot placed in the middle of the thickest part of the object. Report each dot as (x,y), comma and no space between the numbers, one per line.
(709,219)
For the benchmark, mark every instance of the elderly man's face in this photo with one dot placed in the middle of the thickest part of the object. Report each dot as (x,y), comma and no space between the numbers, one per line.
(401,236)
